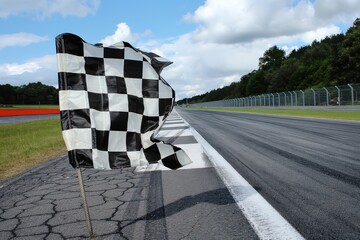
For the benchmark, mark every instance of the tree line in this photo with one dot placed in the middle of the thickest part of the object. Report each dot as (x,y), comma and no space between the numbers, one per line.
(332,61)
(32,93)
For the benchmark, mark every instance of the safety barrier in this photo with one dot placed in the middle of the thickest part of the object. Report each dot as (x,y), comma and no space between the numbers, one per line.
(348,95)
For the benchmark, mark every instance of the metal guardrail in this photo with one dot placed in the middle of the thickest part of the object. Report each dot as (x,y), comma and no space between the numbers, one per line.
(346,95)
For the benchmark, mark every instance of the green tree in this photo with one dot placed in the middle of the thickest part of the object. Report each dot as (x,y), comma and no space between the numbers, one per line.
(272,58)
(8,94)
(32,93)
(350,55)
(257,83)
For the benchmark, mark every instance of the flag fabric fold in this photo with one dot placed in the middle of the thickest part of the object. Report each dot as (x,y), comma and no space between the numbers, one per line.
(112,101)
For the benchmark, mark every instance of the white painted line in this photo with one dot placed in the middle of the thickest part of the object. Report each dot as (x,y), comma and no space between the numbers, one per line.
(174,120)
(173,133)
(197,154)
(173,125)
(265,220)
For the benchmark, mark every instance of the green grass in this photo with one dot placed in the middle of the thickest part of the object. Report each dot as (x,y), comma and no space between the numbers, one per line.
(296,112)
(24,145)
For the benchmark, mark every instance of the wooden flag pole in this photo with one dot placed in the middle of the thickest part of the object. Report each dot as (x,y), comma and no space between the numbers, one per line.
(85,205)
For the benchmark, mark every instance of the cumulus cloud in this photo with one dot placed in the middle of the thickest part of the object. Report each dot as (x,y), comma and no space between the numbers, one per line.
(18,69)
(122,33)
(41,69)
(20,39)
(189,90)
(319,34)
(45,8)
(234,21)
(345,10)
(207,65)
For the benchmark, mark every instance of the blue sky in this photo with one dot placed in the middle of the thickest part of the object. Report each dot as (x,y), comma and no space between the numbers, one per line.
(162,18)
(211,42)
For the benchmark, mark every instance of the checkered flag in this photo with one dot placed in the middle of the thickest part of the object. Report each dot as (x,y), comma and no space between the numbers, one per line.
(112,101)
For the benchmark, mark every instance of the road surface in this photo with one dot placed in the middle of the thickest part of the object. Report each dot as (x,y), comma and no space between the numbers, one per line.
(27,118)
(307,169)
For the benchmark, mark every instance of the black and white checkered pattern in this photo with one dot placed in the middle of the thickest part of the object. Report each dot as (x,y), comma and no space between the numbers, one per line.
(112,100)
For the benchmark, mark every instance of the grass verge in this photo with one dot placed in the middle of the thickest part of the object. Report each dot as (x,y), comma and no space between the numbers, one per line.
(340,115)
(25,145)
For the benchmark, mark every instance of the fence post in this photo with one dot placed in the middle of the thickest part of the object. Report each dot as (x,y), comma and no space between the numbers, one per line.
(278,98)
(291,98)
(327,96)
(314,96)
(352,94)
(339,96)
(303,97)
(285,98)
(273,99)
(295,98)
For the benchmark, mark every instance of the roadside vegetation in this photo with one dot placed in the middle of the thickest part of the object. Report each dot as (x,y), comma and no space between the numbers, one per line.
(27,144)
(32,93)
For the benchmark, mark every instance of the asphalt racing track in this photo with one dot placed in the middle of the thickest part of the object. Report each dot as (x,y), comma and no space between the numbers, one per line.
(307,169)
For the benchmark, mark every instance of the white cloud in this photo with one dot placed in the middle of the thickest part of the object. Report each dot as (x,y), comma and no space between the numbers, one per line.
(18,69)
(20,39)
(72,7)
(45,8)
(122,33)
(319,34)
(344,10)
(41,69)
(234,21)
(207,65)
(189,90)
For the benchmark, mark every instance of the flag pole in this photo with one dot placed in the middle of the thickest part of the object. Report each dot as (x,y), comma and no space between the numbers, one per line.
(85,205)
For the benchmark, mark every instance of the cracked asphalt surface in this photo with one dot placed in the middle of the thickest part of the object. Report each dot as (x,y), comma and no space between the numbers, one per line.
(45,203)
